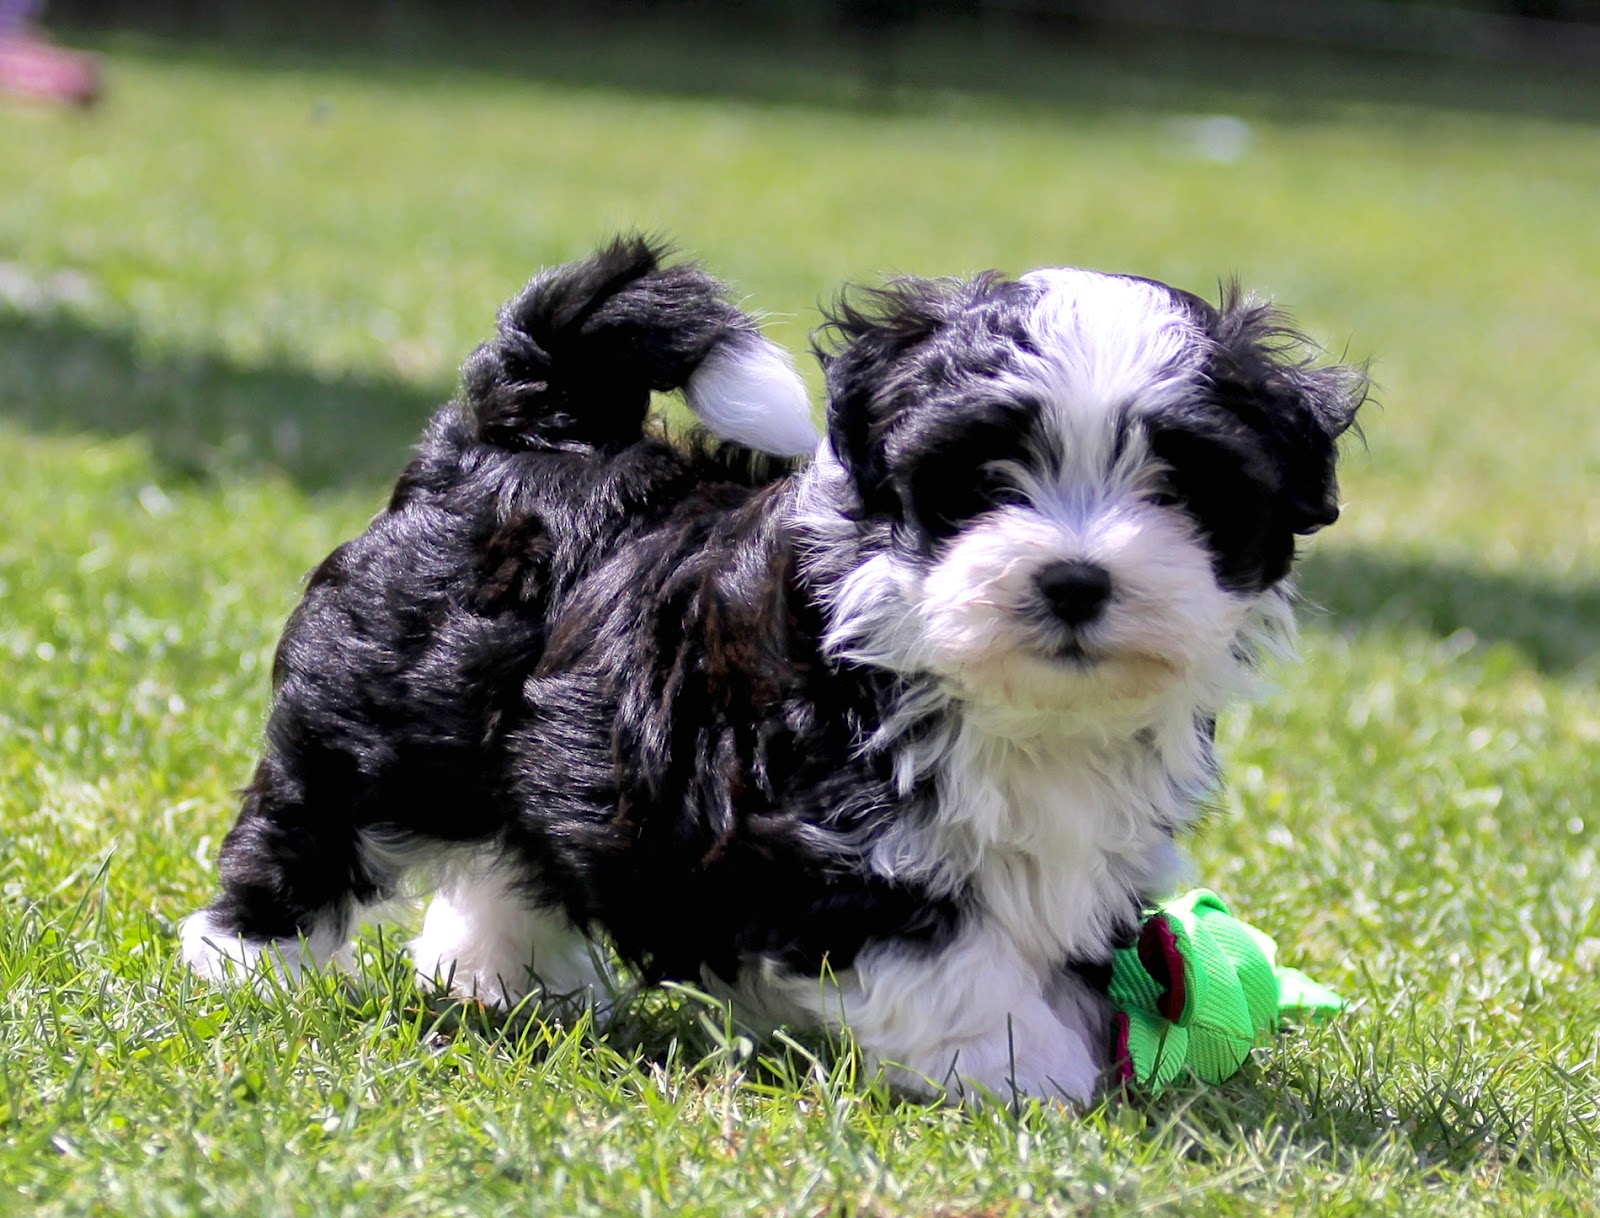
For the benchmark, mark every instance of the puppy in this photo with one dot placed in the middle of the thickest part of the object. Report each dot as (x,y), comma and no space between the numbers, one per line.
(895,729)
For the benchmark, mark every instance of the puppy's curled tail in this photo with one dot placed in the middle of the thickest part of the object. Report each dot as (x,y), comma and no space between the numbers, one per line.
(580,350)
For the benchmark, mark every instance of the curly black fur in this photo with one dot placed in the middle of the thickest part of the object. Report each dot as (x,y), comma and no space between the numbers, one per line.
(585,645)
(929,710)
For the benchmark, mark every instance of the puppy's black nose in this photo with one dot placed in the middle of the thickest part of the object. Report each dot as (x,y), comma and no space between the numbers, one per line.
(1075,591)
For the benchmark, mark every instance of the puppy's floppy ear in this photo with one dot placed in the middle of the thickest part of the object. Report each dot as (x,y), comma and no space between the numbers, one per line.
(1263,371)
(863,346)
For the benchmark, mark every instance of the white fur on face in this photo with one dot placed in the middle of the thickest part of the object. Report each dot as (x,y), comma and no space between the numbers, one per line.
(1166,624)
(1103,352)
(1103,349)
(1102,345)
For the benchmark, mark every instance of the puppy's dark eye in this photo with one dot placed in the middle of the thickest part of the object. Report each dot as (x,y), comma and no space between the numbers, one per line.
(956,473)
(1208,475)
(945,497)
(1227,489)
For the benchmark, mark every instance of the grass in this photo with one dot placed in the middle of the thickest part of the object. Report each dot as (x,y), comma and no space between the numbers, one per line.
(232,295)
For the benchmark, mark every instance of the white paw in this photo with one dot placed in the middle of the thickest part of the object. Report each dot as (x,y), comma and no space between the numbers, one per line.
(219,955)
(480,941)
(225,957)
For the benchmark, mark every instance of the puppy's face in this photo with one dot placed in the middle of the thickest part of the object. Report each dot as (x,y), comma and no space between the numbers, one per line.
(1071,490)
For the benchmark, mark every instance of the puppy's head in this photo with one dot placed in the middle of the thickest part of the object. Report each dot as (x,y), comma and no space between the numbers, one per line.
(1066,491)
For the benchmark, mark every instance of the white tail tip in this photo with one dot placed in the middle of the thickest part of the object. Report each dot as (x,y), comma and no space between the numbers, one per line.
(747,391)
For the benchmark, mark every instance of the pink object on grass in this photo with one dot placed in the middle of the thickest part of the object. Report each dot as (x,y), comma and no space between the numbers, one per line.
(39,71)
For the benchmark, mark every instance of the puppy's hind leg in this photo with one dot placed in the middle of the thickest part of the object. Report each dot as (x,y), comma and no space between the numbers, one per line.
(295,876)
(486,936)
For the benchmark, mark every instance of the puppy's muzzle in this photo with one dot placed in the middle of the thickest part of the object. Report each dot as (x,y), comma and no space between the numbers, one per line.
(1075,592)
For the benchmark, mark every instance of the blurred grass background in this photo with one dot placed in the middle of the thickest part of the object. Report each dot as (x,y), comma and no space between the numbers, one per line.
(231,295)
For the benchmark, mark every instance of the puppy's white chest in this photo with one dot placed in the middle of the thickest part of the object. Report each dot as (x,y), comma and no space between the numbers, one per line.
(1066,845)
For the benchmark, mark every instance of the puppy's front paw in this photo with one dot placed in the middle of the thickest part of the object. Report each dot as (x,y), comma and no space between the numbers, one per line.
(1026,1054)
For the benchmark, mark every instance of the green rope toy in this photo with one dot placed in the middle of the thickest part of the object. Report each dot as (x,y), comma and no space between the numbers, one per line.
(1198,991)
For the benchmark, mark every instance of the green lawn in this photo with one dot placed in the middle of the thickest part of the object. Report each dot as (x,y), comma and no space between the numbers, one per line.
(228,300)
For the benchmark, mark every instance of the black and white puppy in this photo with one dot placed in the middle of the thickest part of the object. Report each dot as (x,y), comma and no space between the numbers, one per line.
(899,736)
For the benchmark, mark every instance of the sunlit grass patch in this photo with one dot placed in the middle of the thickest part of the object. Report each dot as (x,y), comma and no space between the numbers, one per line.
(229,300)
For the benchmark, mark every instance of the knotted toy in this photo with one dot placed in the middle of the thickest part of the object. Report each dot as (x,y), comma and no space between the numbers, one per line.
(1198,990)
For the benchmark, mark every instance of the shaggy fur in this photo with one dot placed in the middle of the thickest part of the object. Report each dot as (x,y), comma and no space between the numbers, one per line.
(901,735)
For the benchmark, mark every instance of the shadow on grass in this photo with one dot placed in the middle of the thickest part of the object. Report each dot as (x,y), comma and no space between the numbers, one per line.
(207,419)
(203,417)
(1450,1124)
(774,62)
(1451,1121)
(1554,624)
